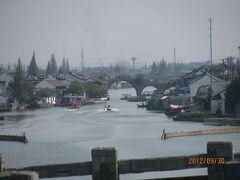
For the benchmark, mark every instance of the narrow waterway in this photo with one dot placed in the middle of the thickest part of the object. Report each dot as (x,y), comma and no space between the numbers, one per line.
(57,135)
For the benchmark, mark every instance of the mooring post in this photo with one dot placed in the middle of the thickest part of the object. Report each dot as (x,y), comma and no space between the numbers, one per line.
(2,163)
(104,164)
(222,150)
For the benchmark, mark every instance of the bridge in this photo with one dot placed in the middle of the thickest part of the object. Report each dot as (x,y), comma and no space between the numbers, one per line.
(138,83)
(220,159)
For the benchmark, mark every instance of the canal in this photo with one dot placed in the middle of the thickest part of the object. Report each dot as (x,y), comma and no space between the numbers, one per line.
(57,135)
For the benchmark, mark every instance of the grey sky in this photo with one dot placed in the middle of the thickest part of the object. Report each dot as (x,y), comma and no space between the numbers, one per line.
(115,30)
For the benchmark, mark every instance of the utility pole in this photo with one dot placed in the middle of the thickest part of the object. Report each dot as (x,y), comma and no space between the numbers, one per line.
(174,60)
(211,56)
(133,60)
(82,61)
(238,62)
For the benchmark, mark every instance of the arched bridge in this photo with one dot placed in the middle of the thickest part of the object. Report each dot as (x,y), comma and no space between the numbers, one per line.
(138,83)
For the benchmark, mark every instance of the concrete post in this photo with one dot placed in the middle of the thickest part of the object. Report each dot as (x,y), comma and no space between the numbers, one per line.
(218,149)
(24,175)
(104,164)
(2,163)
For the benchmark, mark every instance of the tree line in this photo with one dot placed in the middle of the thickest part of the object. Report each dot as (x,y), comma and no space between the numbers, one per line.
(52,68)
(26,93)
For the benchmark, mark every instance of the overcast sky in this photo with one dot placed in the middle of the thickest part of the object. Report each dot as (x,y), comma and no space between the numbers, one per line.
(116,30)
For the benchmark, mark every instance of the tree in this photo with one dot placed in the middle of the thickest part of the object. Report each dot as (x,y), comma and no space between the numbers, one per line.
(21,89)
(67,67)
(46,92)
(232,94)
(53,66)
(62,69)
(163,67)
(33,69)
(103,76)
(76,87)
(139,79)
(48,69)
(9,67)
(92,90)
(154,68)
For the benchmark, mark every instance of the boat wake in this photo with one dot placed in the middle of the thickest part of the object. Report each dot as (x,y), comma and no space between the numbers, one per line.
(109,110)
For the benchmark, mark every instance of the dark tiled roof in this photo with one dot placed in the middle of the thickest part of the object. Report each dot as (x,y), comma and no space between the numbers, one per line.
(55,82)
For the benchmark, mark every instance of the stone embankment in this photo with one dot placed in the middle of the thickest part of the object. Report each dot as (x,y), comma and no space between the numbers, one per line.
(17,138)
(200,132)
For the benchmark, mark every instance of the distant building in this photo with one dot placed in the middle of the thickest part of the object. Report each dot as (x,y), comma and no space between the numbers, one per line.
(5,79)
(71,100)
(3,94)
(70,78)
(48,101)
(51,84)
(218,85)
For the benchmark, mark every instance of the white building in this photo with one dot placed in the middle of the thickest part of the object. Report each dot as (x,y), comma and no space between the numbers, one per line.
(218,104)
(5,79)
(218,85)
(49,100)
(3,94)
(51,84)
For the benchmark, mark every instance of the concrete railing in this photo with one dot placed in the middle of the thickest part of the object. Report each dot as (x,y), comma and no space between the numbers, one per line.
(219,159)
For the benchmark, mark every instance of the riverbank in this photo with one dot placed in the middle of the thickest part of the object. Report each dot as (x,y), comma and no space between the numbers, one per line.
(214,121)
(200,132)
(17,138)
(57,135)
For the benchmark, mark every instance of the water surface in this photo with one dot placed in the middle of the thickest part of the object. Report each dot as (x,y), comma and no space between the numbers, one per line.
(57,135)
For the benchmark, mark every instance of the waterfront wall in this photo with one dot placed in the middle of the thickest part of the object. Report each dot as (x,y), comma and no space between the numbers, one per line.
(106,166)
(202,132)
(22,139)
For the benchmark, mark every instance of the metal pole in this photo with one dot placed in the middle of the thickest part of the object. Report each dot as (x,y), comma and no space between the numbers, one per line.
(210,29)
(239,61)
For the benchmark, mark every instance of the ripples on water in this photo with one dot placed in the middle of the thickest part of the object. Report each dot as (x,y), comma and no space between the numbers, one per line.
(57,135)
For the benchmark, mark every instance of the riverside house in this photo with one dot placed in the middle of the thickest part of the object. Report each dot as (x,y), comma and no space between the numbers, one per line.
(218,89)
(5,79)
(51,84)
(218,85)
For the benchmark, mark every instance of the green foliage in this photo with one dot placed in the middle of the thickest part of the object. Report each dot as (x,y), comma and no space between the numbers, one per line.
(202,101)
(76,88)
(103,76)
(46,92)
(232,94)
(163,67)
(92,90)
(33,69)
(194,114)
(52,68)
(154,103)
(64,68)
(48,69)
(67,67)
(154,68)
(139,79)
(95,91)
(21,89)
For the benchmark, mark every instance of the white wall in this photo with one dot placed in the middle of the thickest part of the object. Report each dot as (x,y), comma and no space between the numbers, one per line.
(215,105)
(50,100)
(3,100)
(205,80)
(217,85)
(3,90)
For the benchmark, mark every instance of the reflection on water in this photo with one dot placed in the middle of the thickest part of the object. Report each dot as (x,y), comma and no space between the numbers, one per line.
(57,135)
